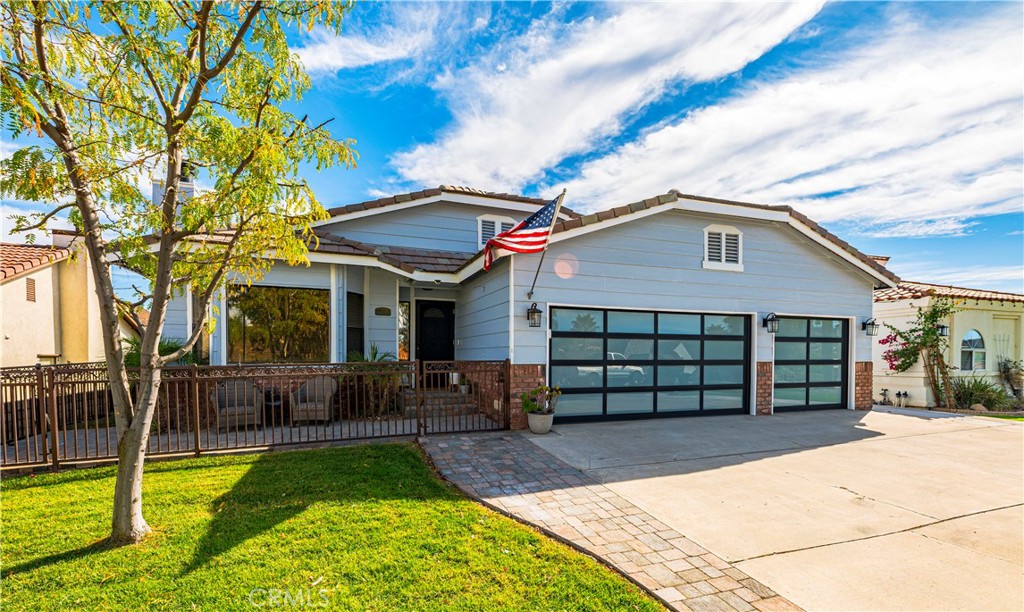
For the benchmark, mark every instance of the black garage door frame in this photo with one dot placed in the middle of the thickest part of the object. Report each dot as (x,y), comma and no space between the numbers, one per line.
(709,330)
(804,343)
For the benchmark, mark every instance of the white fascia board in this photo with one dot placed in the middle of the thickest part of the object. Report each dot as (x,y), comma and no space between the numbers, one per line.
(454,198)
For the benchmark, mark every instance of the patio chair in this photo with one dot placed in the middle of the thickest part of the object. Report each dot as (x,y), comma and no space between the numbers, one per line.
(239,404)
(314,400)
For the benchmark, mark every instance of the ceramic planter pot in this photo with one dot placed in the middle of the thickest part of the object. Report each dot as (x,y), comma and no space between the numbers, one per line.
(539,423)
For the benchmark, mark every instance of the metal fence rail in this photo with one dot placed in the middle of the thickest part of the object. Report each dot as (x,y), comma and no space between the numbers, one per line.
(64,414)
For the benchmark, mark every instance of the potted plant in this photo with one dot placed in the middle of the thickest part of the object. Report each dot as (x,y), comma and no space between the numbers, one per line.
(539,406)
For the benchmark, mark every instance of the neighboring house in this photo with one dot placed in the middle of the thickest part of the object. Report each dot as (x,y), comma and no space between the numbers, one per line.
(50,310)
(655,308)
(986,328)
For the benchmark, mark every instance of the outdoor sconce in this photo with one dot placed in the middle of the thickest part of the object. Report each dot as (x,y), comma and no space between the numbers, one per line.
(533,315)
(943,330)
(870,327)
(771,323)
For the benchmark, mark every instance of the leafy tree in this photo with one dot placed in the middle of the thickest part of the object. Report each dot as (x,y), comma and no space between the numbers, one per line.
(921,341)
(280,324)
(101,92)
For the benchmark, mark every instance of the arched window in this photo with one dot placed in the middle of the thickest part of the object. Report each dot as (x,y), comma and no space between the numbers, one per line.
(972,352)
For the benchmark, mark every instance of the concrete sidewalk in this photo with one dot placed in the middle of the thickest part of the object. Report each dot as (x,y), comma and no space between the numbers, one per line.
(835,510)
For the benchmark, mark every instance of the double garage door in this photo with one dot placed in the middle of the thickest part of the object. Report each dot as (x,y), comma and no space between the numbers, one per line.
(629,364)
(620,364)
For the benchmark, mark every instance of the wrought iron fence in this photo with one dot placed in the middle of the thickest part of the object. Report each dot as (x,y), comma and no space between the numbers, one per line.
(65,415)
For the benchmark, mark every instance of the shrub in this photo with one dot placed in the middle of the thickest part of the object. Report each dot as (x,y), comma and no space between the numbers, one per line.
(970,390)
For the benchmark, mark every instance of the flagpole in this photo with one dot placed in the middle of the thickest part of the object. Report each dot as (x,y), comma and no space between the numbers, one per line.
(554,220)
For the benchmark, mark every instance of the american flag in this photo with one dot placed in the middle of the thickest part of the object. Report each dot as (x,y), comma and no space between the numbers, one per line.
(530,236)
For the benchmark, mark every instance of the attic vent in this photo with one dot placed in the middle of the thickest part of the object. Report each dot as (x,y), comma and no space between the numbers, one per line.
(490,226)
(723,248)
(732,248)
(30,289)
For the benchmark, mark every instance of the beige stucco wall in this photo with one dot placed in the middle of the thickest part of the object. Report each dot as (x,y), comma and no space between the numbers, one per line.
(64,320)
(1001,326)
(30,329)
(79,311)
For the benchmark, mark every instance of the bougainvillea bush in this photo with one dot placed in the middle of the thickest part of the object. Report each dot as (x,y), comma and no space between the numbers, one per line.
(904,347)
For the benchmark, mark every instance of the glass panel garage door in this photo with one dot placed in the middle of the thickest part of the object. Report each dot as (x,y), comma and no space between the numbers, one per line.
(810,364)
(621,364)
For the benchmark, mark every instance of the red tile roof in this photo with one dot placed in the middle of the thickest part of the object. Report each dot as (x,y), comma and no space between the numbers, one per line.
(428,193)
(19,259)
(909,291)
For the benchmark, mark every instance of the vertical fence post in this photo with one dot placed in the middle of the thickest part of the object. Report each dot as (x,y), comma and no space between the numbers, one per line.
(420,426)
(40,416)
(52,393)
(506,393)
(195,406)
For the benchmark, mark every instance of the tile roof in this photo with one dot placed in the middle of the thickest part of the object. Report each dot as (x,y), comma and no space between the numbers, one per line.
(405,258)
(909,290)
(18,259)
(672,196)
(436,191)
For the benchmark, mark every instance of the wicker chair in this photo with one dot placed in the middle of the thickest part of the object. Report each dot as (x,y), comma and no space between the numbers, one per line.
(314,400)
(239,404)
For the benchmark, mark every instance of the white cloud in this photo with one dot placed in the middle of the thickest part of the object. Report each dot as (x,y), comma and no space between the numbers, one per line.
(995,278)
(408,30)
(560,89)
(915,131)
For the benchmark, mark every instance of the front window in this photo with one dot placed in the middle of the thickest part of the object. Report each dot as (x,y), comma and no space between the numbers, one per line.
(972,352)
(278,325)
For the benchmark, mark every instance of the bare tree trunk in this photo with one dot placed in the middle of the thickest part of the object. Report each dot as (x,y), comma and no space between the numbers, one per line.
(128,525)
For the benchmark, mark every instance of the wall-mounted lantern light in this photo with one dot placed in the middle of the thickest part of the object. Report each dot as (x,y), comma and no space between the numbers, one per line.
(533,315)
(943,330)
(870,327)
(771,323)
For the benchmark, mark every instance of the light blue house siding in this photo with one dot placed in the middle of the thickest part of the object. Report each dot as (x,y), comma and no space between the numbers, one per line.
(482,316)
(441,226)
(381,310)
(176,319)
(656,263)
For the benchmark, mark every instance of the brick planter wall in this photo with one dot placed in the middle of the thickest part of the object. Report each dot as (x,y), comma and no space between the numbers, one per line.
(764,388)
(525,376)
(862,383)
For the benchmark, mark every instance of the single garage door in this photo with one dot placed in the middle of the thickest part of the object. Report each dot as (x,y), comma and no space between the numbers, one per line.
(632,363)
(811,364)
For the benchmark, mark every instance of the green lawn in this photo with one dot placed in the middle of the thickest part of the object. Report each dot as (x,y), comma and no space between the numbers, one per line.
(1005,416)
(364,528)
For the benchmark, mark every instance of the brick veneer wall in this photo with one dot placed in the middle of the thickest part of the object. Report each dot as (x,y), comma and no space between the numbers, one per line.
(862,384)
(525,376)
(764,389)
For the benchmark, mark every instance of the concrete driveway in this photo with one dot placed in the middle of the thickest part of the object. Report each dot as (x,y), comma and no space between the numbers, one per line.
(835,510)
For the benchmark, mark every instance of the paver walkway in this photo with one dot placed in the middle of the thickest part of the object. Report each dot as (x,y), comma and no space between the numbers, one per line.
(508,472)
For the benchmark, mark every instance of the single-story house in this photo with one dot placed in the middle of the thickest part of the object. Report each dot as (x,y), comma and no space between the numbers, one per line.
(673,305)
(986,327)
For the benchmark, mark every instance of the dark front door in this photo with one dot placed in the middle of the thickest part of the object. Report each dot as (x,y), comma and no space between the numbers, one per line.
(435,330)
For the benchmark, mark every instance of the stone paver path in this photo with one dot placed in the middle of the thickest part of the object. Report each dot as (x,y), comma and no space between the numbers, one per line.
(509,473)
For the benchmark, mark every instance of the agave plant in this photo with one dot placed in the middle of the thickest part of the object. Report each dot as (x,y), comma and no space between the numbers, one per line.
(377,380)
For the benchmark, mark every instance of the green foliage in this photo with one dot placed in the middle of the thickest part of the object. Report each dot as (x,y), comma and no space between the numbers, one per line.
(127,90)
(133,351)
(541,400)
(1011,372)
(970,390)
(374,391)
(279,324)
(370,524)
(904,347)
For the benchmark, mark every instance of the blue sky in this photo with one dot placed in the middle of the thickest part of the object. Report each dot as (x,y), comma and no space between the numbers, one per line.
(896,125)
